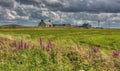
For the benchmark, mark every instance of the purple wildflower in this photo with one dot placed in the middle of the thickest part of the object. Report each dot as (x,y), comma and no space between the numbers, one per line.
(25,45)
(21,44)
(15,44)
(18,46)
(49,45)
(95,49)
(78,46)
(116,53)
(41,41)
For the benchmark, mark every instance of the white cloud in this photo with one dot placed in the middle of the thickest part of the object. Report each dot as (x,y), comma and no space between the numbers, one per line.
(53,1)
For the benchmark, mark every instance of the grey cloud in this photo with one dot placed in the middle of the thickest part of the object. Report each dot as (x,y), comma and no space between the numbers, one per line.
(73,5)
(93,6)
(7,3)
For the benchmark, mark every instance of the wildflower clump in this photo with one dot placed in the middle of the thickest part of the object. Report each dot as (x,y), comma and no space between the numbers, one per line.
(48,45)
(95,58)
(116,59)
(95,49)
(20,45)
(116,53)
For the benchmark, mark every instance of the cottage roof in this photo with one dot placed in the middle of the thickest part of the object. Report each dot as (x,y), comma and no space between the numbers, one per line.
(47,22)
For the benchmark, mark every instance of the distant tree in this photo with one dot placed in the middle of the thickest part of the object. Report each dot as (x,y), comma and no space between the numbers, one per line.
(86,25)
(41,22)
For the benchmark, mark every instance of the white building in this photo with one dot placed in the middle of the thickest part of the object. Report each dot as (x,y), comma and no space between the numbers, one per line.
(45,23)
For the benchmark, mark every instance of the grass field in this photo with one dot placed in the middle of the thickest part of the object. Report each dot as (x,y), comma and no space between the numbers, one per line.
(59,49)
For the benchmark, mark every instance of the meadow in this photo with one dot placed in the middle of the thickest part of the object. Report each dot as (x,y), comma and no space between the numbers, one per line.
(59,49)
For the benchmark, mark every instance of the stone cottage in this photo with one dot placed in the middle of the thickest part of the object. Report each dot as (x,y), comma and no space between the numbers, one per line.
(45,23)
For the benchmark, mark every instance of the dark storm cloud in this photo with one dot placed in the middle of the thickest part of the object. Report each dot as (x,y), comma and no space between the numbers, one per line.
(7,3)
(112,6)
(94,6)
(29,2)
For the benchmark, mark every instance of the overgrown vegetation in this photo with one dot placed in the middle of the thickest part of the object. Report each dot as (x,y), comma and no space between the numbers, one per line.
(59,49)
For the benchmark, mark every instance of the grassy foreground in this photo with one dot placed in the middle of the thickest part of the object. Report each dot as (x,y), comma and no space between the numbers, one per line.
(59,49)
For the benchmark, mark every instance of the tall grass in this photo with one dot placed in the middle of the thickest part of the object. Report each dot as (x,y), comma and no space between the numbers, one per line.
(60,50)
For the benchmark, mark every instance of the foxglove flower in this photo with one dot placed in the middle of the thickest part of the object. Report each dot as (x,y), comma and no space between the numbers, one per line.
(41,42)
(95,49)
(49,45)
(116,53)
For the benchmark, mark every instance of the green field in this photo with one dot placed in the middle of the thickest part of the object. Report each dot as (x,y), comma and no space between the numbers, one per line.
(59,49)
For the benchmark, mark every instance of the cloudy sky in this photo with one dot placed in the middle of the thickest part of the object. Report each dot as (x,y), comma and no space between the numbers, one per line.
(76,12)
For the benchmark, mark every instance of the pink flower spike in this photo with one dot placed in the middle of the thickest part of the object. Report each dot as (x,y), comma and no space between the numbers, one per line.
(116,53)
(95,49)
(49,45)
(41,41)
(21,44)
(15,44)
(25,45)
